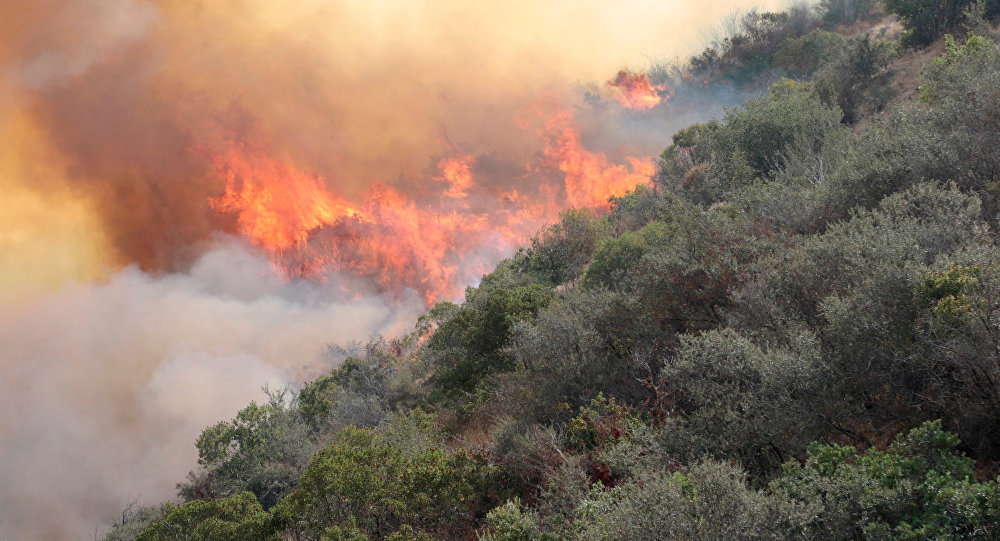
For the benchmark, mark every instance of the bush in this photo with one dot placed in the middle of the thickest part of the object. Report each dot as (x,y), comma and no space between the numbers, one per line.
(616,256)
(920,488)
(957,321)
(707,163)
(926,20)
(235,518)
(737,400)
(803,56)
(854,80)
(846,11)
(561,251)
(362,483)
(511,522)
(472,344)
(262,450)
(708,501)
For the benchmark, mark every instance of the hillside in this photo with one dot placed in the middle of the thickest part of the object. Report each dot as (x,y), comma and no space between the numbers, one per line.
(791,332)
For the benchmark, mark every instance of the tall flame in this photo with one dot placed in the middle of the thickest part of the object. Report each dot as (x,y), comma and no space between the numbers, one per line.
(276,204)
(590,178)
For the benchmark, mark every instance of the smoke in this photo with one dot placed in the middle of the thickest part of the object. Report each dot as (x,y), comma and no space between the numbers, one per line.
(133,313)
(106,386)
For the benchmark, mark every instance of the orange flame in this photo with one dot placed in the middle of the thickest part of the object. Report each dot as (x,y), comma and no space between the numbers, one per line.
(636,92)
(276,204)
(590,178)
(434,246)
(457,173)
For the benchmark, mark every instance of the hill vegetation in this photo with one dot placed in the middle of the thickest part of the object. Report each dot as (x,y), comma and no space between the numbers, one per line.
(793,332)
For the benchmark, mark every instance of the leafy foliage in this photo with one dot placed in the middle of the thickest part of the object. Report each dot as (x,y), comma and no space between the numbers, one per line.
(926,20)
(471,344)
(234,518)
(363,484)
(919,488)
(708,163)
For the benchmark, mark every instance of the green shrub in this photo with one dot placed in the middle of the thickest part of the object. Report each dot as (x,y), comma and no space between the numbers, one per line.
(472,344)
(616,256)
(803,56)
(236,518)
(360,482)
(920,488)
(926,20)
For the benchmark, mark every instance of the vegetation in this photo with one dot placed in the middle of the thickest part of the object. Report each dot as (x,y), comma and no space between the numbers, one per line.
(926,20)
(791,333)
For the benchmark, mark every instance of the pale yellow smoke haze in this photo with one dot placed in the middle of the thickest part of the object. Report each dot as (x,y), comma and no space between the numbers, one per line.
(109,371)
(46,237)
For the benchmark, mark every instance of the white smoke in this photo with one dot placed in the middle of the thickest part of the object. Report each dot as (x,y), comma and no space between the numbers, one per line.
(106,386)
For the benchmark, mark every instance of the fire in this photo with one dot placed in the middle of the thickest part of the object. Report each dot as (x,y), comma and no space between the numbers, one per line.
(590,178)
(457,173)
(636,92)
(433,245)
(387,239)
(277,206)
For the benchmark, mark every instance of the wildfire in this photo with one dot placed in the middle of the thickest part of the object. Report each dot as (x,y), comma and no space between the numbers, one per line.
(636,92)
(434,245)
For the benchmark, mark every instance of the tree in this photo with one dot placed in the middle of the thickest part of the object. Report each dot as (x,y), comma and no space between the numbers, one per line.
(471,344)
(853,79)
(846,11)
(959,322)
(707,163)
(560,252)
(262,450)
(803,56)
(616,256)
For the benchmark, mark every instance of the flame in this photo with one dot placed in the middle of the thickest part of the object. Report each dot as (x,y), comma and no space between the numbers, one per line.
(276,204)
(388,239)
(457,173)
(590,177)
(434,245)
(634,90)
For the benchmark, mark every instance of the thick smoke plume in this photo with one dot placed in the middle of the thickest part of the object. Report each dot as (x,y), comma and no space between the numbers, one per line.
(105,386)
(198,195)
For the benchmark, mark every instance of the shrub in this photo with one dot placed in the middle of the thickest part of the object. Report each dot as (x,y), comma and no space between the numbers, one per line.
(926,20)
(236,518)
(919,488)
(854,80)
(738,400)
(803,56)
(472,344)
(361,482)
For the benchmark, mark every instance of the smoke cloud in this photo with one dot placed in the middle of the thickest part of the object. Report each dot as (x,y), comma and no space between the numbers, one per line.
(106,386)
(133,312)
